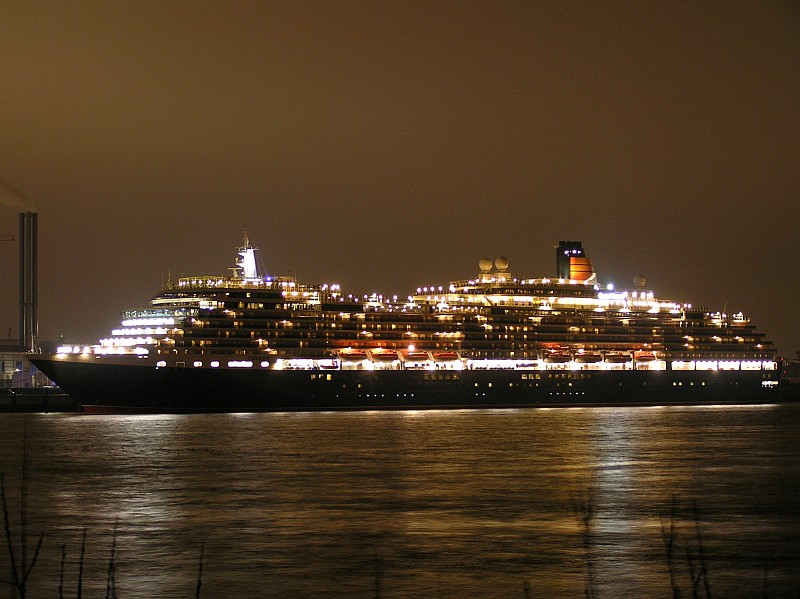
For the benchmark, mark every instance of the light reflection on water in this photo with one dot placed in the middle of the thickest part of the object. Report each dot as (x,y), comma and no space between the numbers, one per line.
(413,504)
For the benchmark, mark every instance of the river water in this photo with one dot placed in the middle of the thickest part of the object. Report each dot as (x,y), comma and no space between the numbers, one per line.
(507,503)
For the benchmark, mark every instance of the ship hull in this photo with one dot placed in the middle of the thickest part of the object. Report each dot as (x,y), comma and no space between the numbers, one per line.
(135,386)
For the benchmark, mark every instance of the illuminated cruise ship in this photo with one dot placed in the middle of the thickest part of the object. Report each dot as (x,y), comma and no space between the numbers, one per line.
(248,342)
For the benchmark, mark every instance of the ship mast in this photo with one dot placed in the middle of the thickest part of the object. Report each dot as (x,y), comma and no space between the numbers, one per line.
(246,263)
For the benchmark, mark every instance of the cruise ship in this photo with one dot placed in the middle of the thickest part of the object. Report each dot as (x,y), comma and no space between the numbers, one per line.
(247,342)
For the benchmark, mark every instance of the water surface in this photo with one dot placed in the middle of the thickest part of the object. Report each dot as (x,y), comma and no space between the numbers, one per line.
(506,503)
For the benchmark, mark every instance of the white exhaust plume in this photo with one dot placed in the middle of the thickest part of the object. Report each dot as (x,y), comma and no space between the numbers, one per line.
(11,196)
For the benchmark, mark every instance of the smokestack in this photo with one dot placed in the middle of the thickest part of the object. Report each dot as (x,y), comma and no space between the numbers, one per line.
(572,263)
(28,281)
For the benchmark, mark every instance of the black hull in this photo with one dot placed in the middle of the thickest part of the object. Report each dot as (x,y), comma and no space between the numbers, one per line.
(135,388)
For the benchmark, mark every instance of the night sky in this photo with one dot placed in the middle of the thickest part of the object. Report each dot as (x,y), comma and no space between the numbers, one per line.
(390,145)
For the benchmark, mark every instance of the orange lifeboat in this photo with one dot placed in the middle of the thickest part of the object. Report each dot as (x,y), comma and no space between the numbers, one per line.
(557,357)
(445,356)
(383,355)
(617,357)
(588,357)
(352,355)
(415,356)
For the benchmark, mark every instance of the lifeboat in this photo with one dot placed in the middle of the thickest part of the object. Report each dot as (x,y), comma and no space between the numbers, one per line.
(588,357)
(415,356)
(644,356)
(617,357)
(445,356)
(557,357)
(383,355)
(352,355)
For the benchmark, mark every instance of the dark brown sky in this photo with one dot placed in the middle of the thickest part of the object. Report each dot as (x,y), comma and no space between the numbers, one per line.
(389,145)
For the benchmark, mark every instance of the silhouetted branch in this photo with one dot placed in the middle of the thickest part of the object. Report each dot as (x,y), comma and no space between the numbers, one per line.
(35,557)
(20,572)
(668,537)
(23,500)
(378,574)
(701,552)
(80,567)
(15,582)
(585,508)
(199,574)
(526,590)
(111,590)
(61,574)
(20,569)
(695,576)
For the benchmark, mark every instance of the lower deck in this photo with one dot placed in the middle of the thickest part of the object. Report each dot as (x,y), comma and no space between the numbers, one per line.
(138,387)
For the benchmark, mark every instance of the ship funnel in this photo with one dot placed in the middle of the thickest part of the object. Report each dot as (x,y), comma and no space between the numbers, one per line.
(28,281)
(572,263)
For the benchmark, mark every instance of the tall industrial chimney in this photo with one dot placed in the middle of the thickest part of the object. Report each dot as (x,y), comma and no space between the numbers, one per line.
(28,281)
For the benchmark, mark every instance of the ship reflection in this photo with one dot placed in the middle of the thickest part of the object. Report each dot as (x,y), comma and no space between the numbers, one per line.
(466,503)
